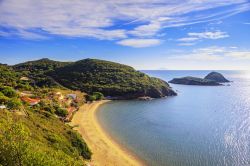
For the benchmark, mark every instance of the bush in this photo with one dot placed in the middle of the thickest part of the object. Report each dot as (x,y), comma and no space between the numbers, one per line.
(3,99)
(61,112)
(8,91)
(17,148)
(14,104)
(91,98)
(95,96)
(81,146)
(49,109)
(98,95)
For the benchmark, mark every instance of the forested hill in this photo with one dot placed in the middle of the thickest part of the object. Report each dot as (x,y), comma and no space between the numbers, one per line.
(111,79)
(37,71)
(92,75)
(40,66)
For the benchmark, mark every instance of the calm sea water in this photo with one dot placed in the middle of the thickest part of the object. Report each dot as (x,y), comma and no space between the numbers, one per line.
(201,126)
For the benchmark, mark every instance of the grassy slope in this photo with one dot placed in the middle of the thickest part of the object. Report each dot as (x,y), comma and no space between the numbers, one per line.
(55,141)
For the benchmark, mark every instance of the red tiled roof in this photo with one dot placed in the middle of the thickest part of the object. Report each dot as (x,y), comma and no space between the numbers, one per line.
(30,100)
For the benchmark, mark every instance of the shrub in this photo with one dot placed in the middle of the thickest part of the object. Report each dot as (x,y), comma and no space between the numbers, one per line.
(17,148)
(3,99)
(98,95)
(81,146)
(49,109)
(61,112)
(8,91)
(14,104)
(91,98)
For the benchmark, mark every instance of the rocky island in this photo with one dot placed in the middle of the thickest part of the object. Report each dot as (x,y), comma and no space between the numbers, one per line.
(194,81)
(212,79)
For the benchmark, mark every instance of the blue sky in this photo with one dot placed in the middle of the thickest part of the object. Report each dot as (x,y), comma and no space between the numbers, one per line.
(146,34)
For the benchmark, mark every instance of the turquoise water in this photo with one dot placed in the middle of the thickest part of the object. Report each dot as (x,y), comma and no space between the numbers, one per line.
(201,126)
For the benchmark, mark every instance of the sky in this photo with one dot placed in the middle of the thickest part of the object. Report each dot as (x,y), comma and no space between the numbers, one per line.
(146,34)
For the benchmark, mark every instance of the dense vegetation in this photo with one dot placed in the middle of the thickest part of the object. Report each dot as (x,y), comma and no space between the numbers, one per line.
(36,136)
(39,140)
(111,79)
(92,75)
(95,96)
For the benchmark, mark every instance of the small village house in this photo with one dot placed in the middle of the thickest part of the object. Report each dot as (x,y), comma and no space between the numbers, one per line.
(73,96)
(2,107)
(30,101)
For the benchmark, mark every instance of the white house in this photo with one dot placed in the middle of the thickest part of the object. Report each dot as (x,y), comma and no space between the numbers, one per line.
(2,107)
(73,96)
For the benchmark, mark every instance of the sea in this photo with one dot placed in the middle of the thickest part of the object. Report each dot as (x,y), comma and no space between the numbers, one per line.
(201,126)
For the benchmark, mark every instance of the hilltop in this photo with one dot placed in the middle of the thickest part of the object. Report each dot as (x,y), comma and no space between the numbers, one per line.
(37,71)
(217,77)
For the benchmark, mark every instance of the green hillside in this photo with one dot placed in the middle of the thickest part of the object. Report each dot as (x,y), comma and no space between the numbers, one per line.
(112,79)
(34,135)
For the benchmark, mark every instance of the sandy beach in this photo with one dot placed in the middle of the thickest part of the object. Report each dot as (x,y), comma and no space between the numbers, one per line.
(106,152)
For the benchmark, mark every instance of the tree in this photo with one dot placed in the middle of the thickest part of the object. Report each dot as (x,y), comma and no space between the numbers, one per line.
(3,99)
(91,98)
(14,103)
(8,91)
(98,95)
(61,112)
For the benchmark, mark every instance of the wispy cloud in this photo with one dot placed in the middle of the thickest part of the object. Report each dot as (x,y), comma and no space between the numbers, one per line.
(213,53)
(188,39)
(197,36)
(25,34)
(109,20)
(209,35)
(186,44)
(139,43)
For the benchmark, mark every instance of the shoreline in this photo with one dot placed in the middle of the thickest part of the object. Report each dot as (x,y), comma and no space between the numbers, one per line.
(106,151)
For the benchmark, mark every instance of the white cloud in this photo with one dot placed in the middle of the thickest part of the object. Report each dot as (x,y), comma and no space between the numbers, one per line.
(213,53)
(110,19)
(201,54)
(197,36)
(23,34)
(209,35)
(188,39)
(186,44)
(138,43)
(146,30)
